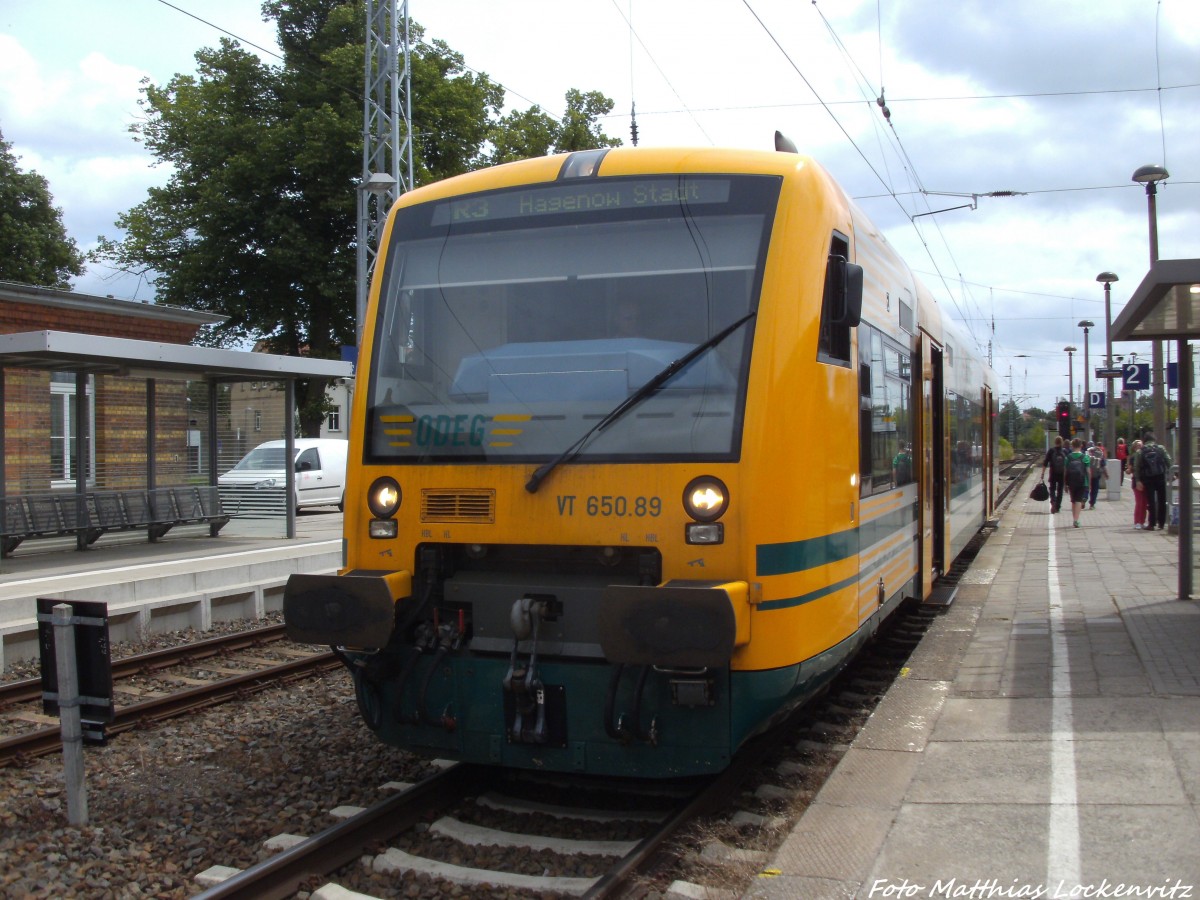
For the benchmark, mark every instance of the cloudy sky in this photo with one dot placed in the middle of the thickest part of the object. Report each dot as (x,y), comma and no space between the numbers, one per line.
(1059,102)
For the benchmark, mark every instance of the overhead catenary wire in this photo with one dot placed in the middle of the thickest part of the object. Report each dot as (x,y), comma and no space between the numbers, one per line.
(909,167)
(650,56)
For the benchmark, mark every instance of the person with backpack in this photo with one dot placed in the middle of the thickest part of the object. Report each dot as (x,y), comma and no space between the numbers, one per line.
(1139,489)
(1078,466)
(1056,462)
(1099,459)
(1152,463)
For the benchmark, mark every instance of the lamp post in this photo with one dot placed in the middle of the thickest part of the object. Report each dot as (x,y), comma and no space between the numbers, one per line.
(1086,325)
(1150,176)
(1071,380)
(1132,406)
(1110,414)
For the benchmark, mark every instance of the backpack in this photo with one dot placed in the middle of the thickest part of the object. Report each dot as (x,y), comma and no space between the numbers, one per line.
(1097,462)
(1077,468)
(1153,461)
(1058,460)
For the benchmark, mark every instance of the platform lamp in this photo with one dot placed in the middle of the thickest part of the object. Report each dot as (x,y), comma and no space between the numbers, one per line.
(1150,176)
(1110,414)
(1086,325)
(1070,350)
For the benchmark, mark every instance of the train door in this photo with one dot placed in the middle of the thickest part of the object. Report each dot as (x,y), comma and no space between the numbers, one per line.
(933,466)
(988,438)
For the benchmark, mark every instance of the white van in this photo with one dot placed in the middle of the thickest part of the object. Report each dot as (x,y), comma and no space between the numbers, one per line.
(256,484)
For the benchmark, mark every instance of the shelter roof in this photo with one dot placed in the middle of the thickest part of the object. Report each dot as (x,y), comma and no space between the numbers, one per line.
(63,351)
(1165,306)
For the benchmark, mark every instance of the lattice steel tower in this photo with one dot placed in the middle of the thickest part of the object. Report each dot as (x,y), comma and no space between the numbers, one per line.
(387,170)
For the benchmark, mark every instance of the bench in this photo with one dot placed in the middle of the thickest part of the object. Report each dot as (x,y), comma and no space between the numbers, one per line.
(157,510)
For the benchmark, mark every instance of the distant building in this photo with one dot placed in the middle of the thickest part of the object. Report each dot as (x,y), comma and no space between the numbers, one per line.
(256,414)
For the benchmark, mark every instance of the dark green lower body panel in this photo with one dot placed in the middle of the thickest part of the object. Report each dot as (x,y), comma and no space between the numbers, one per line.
(646,724)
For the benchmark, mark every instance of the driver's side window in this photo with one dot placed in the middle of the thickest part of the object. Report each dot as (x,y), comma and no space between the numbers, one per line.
(308,461)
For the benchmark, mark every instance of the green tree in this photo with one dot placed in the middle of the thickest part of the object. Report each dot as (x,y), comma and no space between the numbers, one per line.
(1009,421)
(531,132)
(258,219)
(34,247)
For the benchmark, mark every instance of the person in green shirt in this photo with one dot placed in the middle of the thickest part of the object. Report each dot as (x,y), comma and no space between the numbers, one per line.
(902,467)
(1076,478)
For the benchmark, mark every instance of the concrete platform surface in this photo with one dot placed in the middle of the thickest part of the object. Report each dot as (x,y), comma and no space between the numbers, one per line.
(1044,742)
(188,579)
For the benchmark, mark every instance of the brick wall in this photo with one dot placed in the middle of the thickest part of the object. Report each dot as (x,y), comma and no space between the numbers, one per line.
(16,317)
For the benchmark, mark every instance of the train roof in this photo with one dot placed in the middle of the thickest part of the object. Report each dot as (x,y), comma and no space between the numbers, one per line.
(618,161)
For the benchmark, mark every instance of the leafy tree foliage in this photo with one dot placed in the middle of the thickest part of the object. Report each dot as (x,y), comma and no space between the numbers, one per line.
(34,247)
(532,132)
(258,219)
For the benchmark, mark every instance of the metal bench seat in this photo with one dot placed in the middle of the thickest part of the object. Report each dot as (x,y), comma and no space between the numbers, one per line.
(157,510)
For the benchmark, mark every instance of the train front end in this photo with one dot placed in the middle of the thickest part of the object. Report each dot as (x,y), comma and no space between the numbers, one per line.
(543,563)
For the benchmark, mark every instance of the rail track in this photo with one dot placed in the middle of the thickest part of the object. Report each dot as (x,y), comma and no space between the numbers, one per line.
(629,825)
(480,832)
(1012,471)
(236,675)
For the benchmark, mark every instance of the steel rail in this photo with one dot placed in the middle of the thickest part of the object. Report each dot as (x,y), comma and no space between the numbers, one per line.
(21,747)
(29,689)
(341,844)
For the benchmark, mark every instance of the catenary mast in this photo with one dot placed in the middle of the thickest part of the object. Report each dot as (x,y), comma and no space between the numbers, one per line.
(387,169)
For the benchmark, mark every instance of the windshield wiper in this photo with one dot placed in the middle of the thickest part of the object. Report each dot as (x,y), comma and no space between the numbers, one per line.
(632,400)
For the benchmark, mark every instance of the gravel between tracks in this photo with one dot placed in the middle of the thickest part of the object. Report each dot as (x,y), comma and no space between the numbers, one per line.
(167,802)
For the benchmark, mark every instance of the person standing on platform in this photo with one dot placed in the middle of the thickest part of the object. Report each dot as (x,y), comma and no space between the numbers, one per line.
(1139,492)
(1056,462)
(1153,463)
(1076,478)
(1122,456)
(1099,461)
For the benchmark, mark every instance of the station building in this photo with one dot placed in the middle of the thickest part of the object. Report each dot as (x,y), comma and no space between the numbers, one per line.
(40,406)
(116,403)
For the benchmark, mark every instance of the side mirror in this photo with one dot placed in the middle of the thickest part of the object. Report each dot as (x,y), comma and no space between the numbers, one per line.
(845,292)
(305,466)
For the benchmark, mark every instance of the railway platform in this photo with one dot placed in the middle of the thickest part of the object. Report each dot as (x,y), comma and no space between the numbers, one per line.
(189,579)
(1043,742)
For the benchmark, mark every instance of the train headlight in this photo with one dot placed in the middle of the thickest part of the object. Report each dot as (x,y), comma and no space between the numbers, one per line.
(384,497)
(705,499)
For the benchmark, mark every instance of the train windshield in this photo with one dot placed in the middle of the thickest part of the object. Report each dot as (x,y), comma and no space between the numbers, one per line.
(510,322)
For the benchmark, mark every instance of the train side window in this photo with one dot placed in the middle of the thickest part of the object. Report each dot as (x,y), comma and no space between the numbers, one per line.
(886,457)
(841,304)
(865,429)
(906,313)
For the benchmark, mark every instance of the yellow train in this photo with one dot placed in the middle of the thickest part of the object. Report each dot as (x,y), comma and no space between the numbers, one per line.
(646,444)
